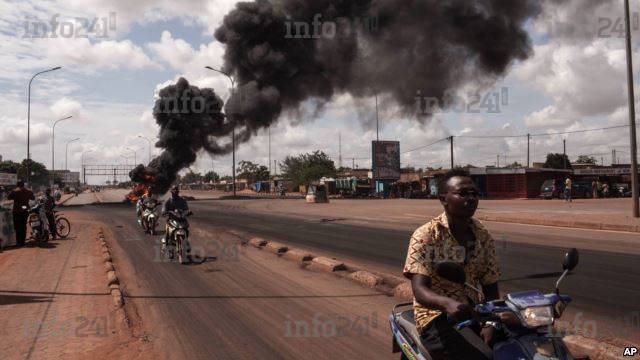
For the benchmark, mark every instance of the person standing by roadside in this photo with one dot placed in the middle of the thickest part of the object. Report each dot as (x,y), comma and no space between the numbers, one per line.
(20,196)
(567,189)
(594,189)
(49,205)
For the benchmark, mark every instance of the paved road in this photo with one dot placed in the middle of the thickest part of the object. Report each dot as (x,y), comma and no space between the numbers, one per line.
(242,306)
(604,284)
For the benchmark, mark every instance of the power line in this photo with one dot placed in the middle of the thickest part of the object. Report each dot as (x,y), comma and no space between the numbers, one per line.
(539,134)
(424,146)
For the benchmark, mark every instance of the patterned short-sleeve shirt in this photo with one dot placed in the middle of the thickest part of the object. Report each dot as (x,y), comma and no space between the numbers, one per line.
(433,243)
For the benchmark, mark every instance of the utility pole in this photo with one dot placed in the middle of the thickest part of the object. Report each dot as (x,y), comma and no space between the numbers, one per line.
(498,162)
(528,140)
(275,168)
(564,152)
(353,163)
(339,149)
(451,149)
(269,150)
(632,116)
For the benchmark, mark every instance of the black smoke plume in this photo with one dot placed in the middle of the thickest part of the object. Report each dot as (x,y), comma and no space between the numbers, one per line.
(190,120)
(402,46)
(393,47)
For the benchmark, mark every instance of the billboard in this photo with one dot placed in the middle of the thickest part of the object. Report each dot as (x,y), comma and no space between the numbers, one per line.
(8,179)
(386,160)
(71,177)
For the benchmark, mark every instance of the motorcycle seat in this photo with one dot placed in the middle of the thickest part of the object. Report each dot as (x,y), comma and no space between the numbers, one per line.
(408,323)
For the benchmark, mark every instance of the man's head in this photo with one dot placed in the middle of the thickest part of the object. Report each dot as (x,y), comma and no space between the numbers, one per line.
(458,194)
(20,183)
(48,191)
(175,191)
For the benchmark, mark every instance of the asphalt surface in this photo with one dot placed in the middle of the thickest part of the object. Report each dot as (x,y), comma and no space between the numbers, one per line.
(235,302)
(604,284)
(218,307)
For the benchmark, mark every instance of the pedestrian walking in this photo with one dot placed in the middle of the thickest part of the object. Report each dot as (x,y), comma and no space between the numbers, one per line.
(20,196)
(568,183)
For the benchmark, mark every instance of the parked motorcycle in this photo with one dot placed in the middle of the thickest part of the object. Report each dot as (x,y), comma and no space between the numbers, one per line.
(522,321)
(38,222)
(178,235)
(149,219)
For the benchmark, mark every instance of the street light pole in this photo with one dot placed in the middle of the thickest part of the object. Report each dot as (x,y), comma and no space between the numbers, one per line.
(135,155)
(53,148)
(377,174)
(233,131)
(29,122)
(66,156)
(632,116)
(149,141)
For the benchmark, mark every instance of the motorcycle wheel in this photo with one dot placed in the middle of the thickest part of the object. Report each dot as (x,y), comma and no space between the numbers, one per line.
(63,227)
(181,250)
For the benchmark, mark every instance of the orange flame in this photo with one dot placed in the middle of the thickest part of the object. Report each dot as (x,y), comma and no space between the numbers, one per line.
(140,189)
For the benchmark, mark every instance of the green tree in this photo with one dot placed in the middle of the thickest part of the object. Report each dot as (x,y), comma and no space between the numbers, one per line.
(514,165)
(39,172)
(306,168)
(586,159)
(557,161)
(211,176)
(252,172)
(191,177)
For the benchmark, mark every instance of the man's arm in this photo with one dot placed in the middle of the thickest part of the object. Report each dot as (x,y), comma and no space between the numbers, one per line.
(421,286)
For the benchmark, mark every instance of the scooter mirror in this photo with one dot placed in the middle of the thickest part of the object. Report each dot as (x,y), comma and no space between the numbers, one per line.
(451,271)
(570,260)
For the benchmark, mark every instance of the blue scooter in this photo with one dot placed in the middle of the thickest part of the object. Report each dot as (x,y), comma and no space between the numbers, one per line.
(522,321)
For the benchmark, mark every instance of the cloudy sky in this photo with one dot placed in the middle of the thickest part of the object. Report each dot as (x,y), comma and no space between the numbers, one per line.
(109,81)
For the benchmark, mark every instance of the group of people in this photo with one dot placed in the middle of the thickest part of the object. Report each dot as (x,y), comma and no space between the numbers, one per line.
(598,189)
(175,202)
(21,197)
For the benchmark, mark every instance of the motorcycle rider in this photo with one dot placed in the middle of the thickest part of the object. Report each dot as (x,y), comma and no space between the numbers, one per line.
(49,205)
(175,202)
(452,236)
(148,195)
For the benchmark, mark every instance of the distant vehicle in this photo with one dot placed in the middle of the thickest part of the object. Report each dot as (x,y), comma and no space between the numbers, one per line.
(621,190)
(552,188)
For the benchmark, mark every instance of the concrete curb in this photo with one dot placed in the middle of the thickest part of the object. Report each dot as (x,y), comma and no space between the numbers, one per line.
(62,202)
(366,278)
(113,282)
(112,278)
(276,248)
(299,256)
(327,265)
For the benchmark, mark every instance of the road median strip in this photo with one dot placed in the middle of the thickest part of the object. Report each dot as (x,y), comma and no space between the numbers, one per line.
(112,280)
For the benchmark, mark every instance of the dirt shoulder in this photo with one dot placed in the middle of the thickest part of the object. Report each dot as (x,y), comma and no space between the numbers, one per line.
(55,301)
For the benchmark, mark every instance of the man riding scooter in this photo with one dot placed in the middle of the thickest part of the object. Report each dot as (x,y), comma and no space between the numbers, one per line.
(175,202)
(452,236)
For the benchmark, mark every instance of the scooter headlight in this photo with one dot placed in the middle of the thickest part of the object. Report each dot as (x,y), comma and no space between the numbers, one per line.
(534,317)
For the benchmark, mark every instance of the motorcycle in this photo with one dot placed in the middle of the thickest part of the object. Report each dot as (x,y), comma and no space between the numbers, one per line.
(149,219)
(522,321)
(38,222)
(178,235)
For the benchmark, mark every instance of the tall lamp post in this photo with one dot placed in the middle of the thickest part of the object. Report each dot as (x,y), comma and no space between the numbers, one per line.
(632,117)
(53,148)
(233,130)
(66,156)
(376,175)
(148,141)
(29,122)
(135,155)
